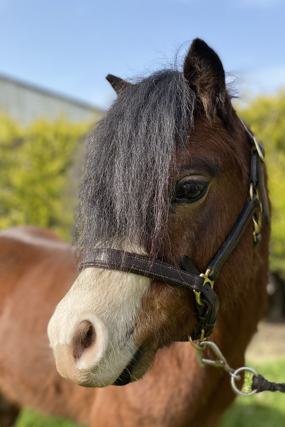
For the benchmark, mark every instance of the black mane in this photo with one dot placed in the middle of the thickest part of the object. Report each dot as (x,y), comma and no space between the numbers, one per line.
(123,199)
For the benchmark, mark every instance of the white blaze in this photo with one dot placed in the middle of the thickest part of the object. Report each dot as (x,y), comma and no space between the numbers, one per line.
(110,300)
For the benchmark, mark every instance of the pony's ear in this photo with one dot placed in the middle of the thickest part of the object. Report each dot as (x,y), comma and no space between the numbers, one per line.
(118,84)
(205,73)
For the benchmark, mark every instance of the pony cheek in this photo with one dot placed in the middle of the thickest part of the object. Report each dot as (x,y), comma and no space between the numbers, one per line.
(166,315)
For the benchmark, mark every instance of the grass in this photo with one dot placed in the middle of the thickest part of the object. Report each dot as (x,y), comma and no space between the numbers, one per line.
(264,409)
(261,410)
(29,418)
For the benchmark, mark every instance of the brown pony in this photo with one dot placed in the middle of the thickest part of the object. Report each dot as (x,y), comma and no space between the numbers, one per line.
(167,175)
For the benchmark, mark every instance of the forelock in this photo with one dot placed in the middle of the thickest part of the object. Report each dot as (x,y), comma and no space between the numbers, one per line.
(123,199)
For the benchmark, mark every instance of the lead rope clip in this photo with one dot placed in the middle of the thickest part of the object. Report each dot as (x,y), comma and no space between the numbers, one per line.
(221,362)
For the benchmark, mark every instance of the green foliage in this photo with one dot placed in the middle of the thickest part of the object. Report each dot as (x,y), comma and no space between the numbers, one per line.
(29,418)
(266,117)
(35,165)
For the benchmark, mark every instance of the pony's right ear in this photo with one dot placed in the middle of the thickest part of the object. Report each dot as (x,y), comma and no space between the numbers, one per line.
(119,85)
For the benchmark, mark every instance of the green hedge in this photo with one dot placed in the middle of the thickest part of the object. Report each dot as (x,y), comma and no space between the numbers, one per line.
(37,173)
(266,117)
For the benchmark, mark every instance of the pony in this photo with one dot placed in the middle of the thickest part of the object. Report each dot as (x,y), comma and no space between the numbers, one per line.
(167,174)
(32,260)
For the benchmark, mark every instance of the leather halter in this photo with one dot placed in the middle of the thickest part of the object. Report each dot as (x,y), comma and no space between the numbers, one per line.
(188,276)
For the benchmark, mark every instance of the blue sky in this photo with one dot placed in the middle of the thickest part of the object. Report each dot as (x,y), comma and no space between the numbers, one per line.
(71,45)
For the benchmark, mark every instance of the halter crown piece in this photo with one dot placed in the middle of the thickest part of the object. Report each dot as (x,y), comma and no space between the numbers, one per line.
(202,284)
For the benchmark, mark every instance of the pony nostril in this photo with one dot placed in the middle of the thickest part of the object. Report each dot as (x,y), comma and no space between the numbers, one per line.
(84,338)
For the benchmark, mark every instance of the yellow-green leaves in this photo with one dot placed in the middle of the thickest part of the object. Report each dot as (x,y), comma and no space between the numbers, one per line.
(37,177)
(266,117)
(36,186)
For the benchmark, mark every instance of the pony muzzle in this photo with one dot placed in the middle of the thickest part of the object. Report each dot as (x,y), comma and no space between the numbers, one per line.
(78,357)
(93,341)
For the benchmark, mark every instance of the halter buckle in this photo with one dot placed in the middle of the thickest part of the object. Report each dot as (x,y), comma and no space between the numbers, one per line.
(253,192)
(206,280)
(206,277)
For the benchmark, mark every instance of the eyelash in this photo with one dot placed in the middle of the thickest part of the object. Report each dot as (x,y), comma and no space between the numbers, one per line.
(190,191)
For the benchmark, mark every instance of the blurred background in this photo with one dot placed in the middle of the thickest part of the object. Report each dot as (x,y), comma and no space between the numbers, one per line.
(54,59)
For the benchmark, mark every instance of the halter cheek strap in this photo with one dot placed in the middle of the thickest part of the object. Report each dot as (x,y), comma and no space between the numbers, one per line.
(188,276)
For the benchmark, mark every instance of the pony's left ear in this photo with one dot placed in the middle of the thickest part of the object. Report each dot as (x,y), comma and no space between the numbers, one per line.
(119,85)
(204,71)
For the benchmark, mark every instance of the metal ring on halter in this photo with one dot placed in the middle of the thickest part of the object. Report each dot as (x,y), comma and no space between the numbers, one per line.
(233,381)
(258,149)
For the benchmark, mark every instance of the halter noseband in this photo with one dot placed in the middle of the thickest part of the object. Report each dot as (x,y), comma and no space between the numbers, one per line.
(188,276)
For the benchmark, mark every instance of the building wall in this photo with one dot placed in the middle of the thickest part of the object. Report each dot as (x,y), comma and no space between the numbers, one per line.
(26,103)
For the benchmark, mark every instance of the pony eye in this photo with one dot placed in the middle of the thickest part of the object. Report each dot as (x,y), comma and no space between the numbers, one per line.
(190,191)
